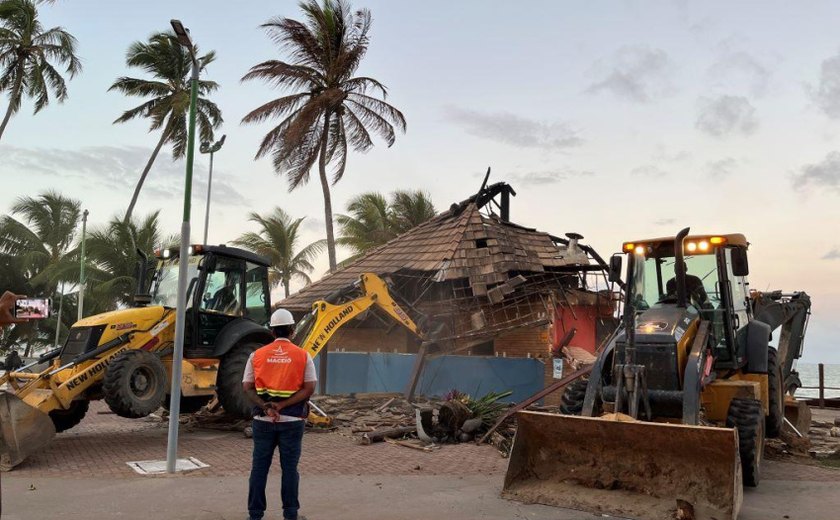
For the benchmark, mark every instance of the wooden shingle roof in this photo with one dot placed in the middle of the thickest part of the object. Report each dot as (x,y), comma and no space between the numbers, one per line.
(458,243)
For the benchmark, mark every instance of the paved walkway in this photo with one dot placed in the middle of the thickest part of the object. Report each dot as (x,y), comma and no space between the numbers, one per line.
(83,475)
(103,443)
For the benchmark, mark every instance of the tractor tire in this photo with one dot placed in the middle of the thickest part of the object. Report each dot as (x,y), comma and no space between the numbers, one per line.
(229,380)
(573,394)
(135,384)
(747,416)
(189,404)
(776,415)
(63,420)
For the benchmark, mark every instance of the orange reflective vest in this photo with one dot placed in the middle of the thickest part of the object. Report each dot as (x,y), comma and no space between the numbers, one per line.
(279,368)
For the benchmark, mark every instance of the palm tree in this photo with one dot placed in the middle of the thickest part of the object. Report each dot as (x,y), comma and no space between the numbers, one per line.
(373,221)
(39,250)
(29,55)
(42,240)
(113,260)
(168,91)
(367,225)
(329,107)
(410,209)
(277,240)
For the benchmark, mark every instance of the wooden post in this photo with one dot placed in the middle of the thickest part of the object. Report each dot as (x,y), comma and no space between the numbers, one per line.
(822,385)
(416,372)
(322,371)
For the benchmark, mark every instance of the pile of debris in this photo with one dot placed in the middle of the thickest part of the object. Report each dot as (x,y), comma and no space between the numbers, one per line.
(388,417)
(821,443)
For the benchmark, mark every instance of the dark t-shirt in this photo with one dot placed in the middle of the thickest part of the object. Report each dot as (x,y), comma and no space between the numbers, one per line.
(693,287)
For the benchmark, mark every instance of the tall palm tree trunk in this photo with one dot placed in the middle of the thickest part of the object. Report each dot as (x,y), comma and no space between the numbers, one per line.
(286,286)
(325,186)
(15,94)
(139,186)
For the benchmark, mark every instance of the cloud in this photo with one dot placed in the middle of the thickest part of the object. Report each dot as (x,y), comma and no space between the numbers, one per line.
(726,115)
(742,68)
(114,168)
(661,154)
(826,94)
(313,224)
(834,254)
(649,170)
(634,73)
(825,174)
(722,168)
(546,177)
(664,221)
(514,130)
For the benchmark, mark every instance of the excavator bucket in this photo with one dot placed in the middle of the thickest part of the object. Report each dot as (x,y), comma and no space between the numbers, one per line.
(23,430)
(625,468)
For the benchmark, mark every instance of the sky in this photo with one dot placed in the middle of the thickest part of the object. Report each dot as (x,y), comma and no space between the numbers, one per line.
(616,120)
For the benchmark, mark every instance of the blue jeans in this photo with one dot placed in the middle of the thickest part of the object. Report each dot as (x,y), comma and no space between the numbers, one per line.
(268,436)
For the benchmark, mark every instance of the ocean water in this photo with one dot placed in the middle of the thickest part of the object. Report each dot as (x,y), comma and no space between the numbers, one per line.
(809,374)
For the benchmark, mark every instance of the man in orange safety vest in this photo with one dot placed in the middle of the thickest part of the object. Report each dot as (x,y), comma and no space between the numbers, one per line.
(279,379)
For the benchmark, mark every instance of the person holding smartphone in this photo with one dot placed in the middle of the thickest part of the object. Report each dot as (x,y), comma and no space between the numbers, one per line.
(7,309)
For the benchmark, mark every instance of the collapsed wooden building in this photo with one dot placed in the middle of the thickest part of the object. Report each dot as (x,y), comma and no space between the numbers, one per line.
(493,288)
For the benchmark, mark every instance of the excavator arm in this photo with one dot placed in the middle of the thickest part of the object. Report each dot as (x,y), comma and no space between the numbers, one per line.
(326,318)
(790,311)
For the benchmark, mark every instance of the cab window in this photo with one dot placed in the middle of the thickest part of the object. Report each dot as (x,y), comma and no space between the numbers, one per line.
(256,293)
(223,289)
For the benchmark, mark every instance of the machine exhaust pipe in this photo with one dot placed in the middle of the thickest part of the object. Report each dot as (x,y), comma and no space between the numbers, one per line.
(679,267)
(141,295)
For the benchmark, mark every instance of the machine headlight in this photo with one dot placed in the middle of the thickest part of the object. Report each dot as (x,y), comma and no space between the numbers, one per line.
(166,253)
(691,247)
(640,250)
(704,246)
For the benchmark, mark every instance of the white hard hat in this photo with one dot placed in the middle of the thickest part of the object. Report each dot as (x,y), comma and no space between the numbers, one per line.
(281,317)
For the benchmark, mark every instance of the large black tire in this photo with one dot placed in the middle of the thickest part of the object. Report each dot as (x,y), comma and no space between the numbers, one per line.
(189,404)
(775,389)
(229,380)
(747,416)
(66,419)
(135,384)
(573,394)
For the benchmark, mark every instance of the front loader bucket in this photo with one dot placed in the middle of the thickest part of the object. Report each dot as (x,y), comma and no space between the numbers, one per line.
(632,469)
(23,430)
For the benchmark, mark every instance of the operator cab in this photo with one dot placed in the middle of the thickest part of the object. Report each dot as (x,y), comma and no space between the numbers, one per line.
(224,284)
(714,286)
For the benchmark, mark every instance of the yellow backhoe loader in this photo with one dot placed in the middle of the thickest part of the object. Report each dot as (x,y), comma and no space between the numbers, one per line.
(125,356)
(676,409)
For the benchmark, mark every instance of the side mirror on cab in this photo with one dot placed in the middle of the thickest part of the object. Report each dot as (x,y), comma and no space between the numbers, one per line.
(615,268)
(740,266)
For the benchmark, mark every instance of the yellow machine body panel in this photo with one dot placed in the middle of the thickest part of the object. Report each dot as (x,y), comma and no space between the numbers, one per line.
(715,397)
(684,347)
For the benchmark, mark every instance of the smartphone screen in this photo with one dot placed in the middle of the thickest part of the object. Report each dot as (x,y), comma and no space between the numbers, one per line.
(32,308)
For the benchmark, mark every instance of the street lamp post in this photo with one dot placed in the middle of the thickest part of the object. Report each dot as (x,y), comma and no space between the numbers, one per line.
(82,268)
(183,37)
(206,147)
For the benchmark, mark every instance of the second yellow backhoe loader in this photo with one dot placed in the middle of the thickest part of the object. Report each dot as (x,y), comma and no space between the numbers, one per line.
(125,356)
(674,415)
